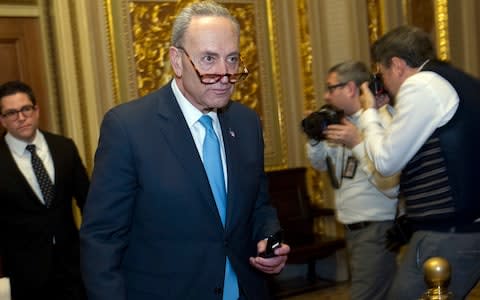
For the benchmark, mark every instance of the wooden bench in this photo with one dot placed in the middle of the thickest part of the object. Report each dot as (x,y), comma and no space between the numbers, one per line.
(288,192)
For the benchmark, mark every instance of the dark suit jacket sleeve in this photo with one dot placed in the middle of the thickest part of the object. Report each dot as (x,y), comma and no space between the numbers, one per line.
(265,216)
(80,179)
(107,213)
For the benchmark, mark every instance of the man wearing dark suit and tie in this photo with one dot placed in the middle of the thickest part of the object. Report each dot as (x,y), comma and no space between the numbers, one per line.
(41,172)
(178,206)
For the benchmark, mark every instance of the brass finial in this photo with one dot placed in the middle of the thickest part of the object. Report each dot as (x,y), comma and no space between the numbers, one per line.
(437,274)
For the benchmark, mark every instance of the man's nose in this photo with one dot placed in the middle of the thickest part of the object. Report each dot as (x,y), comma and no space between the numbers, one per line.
(326,95)
(21,116)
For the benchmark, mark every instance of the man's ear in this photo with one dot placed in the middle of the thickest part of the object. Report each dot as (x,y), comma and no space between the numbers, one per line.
(398,65)
(352,88)
(176,61)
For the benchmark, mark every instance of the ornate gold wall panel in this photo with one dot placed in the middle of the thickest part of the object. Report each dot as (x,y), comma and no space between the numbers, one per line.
(143,30)
(375,25)
(430,15)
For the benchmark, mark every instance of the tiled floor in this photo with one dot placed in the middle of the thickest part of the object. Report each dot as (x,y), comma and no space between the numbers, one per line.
(340,292)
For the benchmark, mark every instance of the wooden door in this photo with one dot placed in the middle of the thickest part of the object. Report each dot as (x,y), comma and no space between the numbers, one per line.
(22,58)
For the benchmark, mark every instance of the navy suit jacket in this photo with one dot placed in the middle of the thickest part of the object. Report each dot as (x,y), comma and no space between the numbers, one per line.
(27,226)
(151,227)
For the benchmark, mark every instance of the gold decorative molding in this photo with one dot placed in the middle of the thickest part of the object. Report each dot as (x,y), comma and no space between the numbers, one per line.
(276,150)
(139,34)
(151,24)
(430,15)
(112,52)
(310,99)
(376,24)
(441,26)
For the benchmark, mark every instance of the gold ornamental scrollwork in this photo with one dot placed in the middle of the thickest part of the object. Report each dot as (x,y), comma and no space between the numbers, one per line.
(430,15)
(375,21)
(441,26)
(151,28)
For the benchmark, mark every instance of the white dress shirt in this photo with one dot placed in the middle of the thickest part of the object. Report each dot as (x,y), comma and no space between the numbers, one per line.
(367,196)
(192,115)
(22,158)
(425,102)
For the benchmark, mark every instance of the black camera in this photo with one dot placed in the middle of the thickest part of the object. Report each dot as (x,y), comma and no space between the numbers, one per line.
(376,85)
(399,234)
(315,123)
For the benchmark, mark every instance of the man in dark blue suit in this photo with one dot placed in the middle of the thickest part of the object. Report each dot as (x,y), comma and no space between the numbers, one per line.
(155,225)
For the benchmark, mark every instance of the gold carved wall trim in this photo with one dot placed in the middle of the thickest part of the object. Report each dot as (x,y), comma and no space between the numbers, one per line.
(376,22)
(112,50)
(441,25)
(430,15)
(140,37)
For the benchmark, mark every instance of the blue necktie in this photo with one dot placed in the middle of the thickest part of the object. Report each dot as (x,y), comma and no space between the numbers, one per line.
(212,161)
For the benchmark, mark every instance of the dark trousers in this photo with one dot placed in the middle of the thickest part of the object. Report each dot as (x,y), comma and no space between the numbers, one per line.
(63,283)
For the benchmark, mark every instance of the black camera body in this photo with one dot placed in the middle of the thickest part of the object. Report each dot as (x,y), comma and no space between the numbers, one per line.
(315,123)
(376,85)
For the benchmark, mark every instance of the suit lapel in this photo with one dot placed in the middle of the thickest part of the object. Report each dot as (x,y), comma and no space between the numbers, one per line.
(173,126)
(10,167)
(231,155)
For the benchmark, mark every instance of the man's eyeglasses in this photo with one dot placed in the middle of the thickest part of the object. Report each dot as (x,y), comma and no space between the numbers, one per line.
(12,115)
(333,87)
(214,78)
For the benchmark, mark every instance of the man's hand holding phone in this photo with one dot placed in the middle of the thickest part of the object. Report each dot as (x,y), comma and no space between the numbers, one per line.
(272,254)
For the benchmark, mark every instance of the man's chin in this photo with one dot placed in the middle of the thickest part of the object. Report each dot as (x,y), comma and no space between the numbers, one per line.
(214,105)
(26,136)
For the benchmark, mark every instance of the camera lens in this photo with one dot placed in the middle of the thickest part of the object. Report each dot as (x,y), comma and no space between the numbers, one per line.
(315,123)
(376,85)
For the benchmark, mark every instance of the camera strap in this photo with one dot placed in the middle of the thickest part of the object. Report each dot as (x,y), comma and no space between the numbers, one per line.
(346,171)
(332,173)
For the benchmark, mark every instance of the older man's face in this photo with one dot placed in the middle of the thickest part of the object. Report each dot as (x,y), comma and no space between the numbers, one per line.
(212,47)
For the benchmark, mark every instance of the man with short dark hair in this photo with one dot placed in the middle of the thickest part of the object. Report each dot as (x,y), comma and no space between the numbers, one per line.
(433,141)
(41,172)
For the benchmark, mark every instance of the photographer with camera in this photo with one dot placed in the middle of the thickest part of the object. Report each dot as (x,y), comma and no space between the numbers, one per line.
(365,201)
(433,141)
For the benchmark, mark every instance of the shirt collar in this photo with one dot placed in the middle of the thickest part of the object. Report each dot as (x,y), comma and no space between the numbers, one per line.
(354,117)
(18,146)
(190,112)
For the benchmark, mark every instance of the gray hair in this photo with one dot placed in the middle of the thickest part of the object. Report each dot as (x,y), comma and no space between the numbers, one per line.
(350,70)
(409,43)
(203,8)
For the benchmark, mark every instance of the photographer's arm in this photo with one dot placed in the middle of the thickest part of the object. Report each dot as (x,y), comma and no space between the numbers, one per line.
(316,153)
(345,134)
(387,185)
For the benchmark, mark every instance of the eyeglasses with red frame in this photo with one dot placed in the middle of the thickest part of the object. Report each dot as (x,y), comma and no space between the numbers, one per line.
(214,78)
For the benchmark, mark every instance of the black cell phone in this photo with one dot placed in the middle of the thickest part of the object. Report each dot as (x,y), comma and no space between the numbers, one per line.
(274,241)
